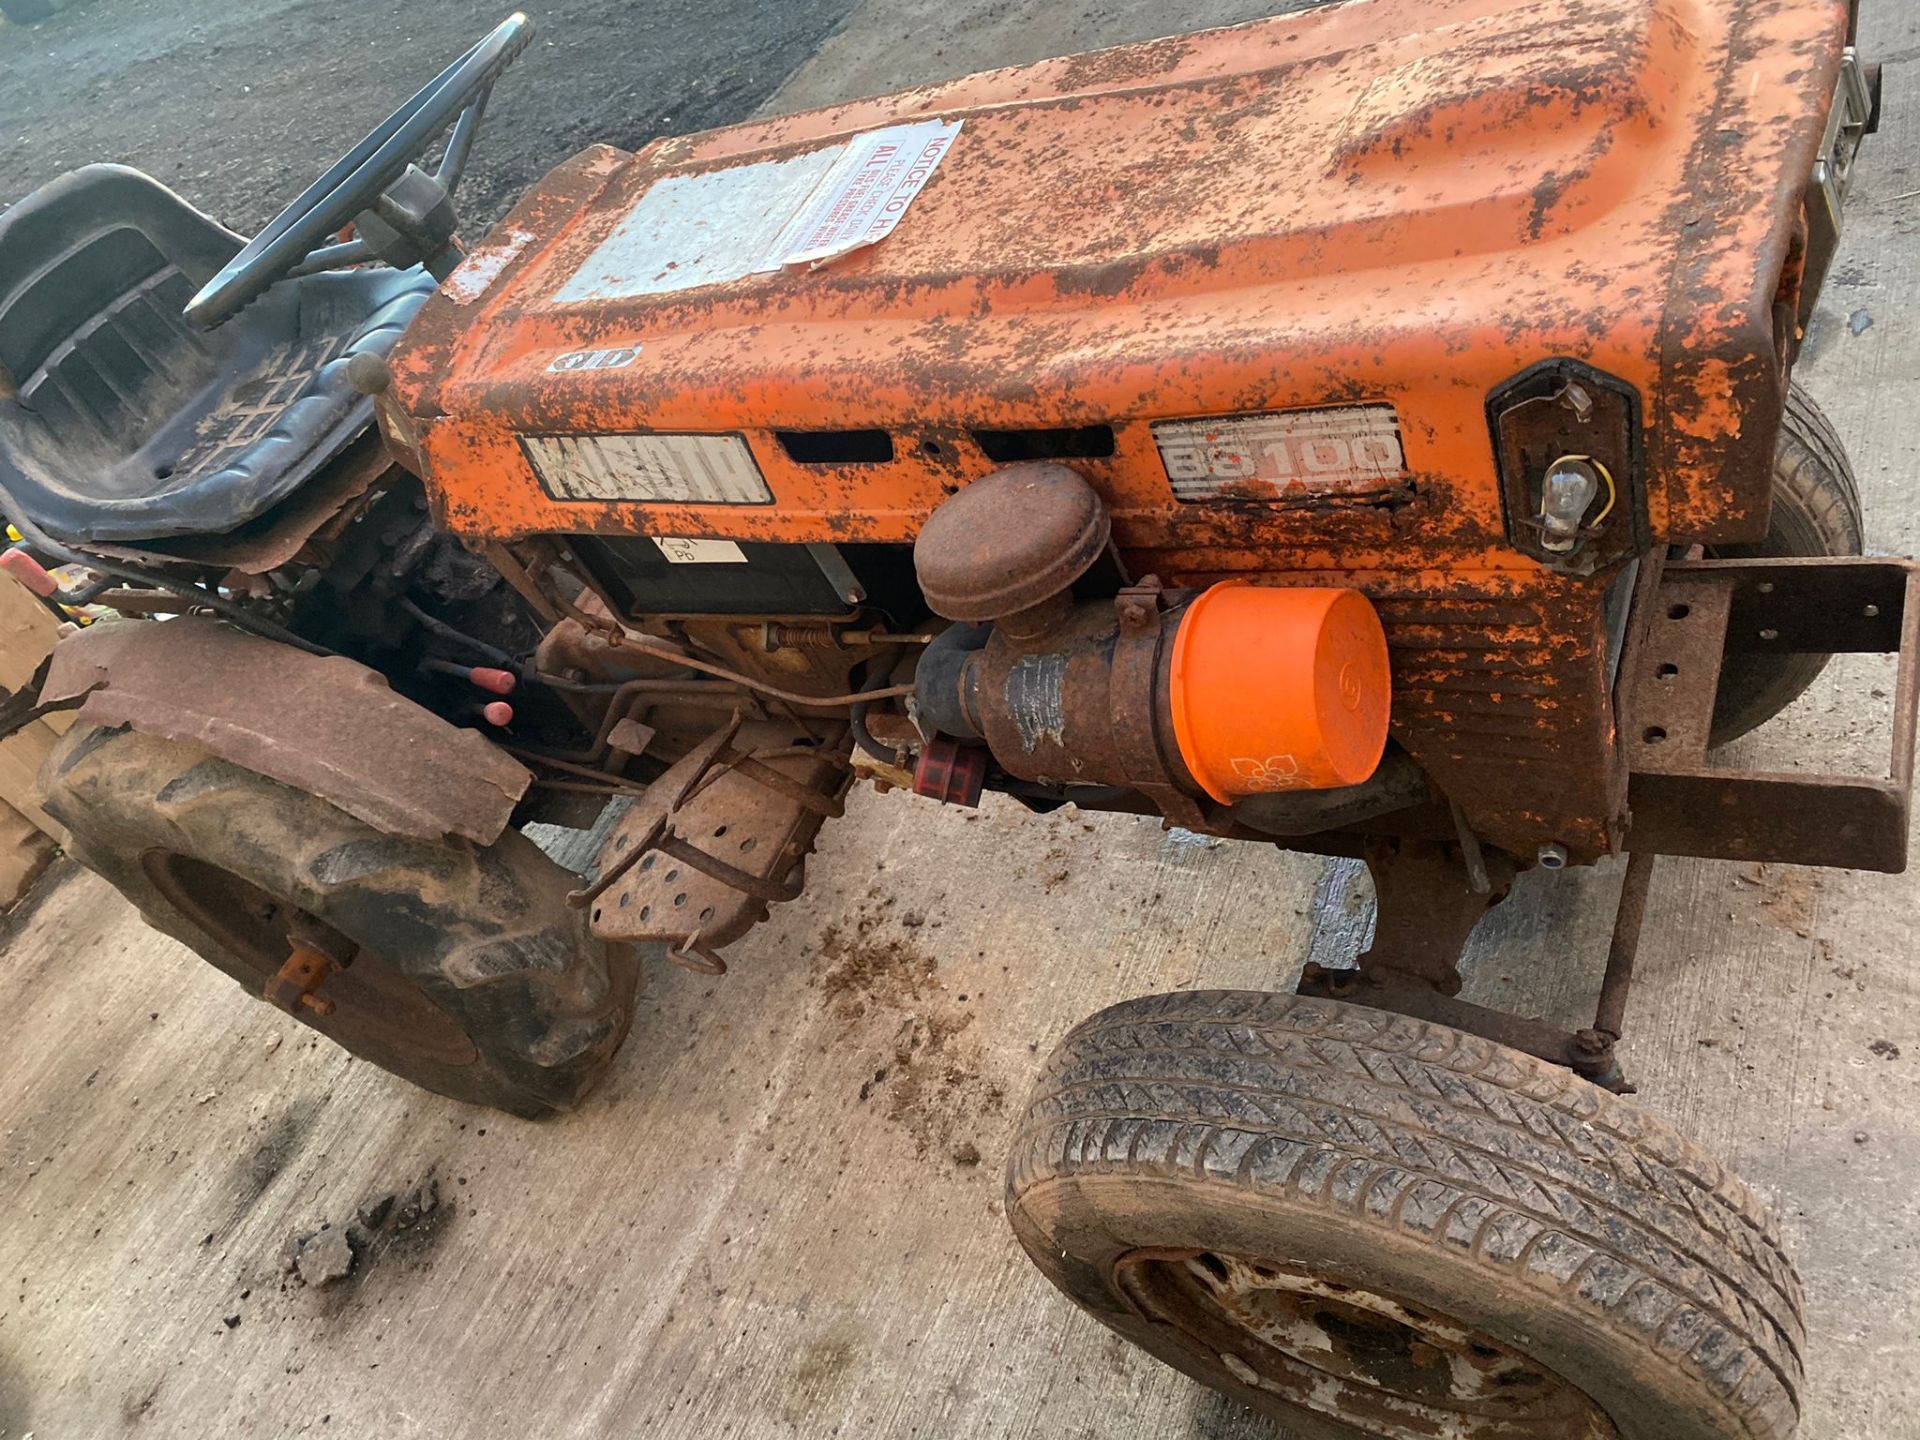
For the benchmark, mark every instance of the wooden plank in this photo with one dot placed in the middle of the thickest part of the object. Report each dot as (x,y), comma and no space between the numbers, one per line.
(21,757)
(24,854)
(27,634)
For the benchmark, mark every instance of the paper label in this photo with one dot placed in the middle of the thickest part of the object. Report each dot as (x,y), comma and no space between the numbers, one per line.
(688,231)
(865,194)
(681,551)
(475,275)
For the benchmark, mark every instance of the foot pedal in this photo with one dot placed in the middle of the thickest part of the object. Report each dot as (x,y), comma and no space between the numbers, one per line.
(724,834)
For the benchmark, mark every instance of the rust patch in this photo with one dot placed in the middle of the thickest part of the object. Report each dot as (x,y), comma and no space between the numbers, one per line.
(327,726)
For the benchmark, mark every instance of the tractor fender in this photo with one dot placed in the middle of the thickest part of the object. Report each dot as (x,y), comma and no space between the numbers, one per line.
(323,724)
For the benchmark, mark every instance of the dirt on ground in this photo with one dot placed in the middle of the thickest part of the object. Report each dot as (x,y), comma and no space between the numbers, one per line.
(238,106)
(928,1075)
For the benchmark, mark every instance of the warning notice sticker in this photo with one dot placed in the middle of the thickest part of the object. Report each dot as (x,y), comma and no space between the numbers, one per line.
(719,226)
(865,194)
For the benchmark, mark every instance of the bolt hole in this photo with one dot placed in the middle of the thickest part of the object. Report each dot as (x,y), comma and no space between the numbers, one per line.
(747,844)
(1667,672)
(625,900)
(622,842)
(646,862)
(671,876)
(163,472)
(718,831)
(1654,735)
(645,911)
(680,899)
(596,912)
(1679,612)
(1769,634)
(706,915)
(933,449)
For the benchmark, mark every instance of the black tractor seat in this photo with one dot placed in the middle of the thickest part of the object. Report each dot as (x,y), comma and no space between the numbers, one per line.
(119,420)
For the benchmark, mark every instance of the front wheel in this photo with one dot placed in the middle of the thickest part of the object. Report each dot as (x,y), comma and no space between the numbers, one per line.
(1365,1225)
(1816,514)
(467,973)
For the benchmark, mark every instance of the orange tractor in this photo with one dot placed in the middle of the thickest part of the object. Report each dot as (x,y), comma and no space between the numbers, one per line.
(1368,431)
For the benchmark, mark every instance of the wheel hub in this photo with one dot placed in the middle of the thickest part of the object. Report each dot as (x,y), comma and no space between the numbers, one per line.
(363,1001)
(1397,1370)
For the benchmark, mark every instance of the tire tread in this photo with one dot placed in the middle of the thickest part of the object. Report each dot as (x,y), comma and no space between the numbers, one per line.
(1515,1164)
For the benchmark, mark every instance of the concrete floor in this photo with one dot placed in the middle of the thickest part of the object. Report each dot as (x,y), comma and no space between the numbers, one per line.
(782,1215)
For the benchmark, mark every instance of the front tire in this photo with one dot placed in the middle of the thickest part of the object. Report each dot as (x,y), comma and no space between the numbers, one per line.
(473,978)
(1365,1225)
(1816,514)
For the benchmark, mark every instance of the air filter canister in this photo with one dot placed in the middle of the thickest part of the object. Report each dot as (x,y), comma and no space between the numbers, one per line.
(1279,689)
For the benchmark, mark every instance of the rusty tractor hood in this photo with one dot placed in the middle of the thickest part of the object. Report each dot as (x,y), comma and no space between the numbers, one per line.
(1391,206)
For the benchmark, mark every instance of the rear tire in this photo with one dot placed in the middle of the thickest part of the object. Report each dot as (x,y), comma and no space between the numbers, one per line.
(474,978)
(1365,1225)
(1816,513)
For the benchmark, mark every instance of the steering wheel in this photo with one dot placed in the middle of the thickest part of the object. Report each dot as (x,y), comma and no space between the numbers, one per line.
(404,215)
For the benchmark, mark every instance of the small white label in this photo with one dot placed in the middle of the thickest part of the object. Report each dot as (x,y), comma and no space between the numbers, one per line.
(1286,454)
(617,358)
(681,551)
(475,275)
(683,469)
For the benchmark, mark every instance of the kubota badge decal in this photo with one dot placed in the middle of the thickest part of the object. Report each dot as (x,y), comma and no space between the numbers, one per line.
(617,358)
(663,469)
(1284,454)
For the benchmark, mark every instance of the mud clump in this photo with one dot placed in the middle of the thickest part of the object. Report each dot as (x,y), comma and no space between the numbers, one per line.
(936,1092)
(321,1259)
(862,972)
(386,1229)
(1788,895)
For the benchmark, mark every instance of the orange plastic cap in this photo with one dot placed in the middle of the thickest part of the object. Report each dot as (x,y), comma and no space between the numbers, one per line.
(1279,689)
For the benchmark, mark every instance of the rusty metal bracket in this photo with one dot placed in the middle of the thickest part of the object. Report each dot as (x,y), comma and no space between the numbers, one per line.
(746,791)
(1137,666)
(647,823)
(317,951)
(1426,908)
(1427,904)
(294,984)
(1707,609)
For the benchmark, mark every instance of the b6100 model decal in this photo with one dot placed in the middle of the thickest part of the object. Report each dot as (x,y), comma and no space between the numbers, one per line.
(1283,455)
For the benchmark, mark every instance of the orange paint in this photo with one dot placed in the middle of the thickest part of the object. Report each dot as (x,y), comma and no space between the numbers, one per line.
(1403,203)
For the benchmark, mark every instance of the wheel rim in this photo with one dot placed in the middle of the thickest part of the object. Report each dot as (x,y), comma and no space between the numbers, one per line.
(1381,1364)
(377,1011)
